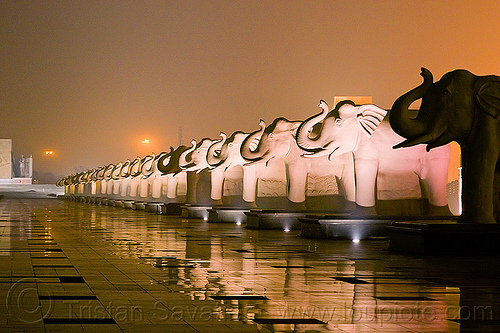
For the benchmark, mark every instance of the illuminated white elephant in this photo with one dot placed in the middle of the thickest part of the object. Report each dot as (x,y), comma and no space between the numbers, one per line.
(361,130)
(194,162)
(276,144)
(106,182)
(147,169)
(135,177)
(152,177)
(174,180)
(116,178)
(229,174)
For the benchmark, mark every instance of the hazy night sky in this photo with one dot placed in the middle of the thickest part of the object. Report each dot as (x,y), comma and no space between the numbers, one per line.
(90,79)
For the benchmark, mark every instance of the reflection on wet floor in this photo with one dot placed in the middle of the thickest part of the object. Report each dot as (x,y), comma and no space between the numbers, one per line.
(83,267)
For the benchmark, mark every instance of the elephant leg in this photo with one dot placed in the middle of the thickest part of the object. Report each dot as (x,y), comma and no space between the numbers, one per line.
(366,177)
(217,181)
(434,184)
(192,184)
(297,175)
(249,183)
(478,172)
(171,187)
(347,180)
(156,187)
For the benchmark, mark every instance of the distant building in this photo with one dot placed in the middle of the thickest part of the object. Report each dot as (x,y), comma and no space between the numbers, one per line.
(14,170)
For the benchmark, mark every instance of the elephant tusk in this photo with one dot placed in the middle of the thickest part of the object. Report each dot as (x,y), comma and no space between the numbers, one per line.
(412,142)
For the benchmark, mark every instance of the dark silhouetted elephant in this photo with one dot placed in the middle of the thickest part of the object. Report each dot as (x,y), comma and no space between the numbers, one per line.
(465,108)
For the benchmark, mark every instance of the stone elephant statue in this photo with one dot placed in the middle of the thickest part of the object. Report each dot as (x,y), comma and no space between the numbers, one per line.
(147,169)
(465,108)
(174,179)
(275,143)
(134,178)
(231,180)
(107,180)
(363,131)
(194,162)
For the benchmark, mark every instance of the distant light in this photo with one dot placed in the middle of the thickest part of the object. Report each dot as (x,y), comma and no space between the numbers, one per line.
(286,230)
(355,240)
(238,223)
(49,152)
(205,219)
(145,141)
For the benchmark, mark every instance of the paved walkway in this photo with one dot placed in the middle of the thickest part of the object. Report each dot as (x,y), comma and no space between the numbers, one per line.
(74,267)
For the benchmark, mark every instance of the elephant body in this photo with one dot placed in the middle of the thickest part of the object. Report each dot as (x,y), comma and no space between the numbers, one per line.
(229,177)
(193,161)
(274,147)
(465,108)
(380,171)
(174,179)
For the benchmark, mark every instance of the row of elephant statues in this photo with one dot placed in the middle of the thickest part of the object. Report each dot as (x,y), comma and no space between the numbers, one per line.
(338,159)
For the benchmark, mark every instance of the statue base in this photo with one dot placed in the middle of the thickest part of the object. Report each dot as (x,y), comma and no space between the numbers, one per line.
(343,226)
(228,214)
(154,207)
(444,237)
(128,204)
(172,209)
(139,205)
(274,219)
(195,211)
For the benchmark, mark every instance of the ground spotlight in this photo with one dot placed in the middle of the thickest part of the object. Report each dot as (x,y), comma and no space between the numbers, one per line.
(355,240)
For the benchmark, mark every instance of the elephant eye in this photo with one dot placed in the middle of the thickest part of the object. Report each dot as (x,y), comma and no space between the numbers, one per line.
(338,122)
(445,92)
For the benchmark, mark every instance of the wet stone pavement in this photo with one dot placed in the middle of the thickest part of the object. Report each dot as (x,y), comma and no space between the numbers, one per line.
(74,267)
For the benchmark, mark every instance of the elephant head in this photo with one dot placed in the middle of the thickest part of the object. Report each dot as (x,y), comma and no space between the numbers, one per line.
(108,172)
(115,173)
(194,158)
(465,108)
(124,170)
(169,163)
(447,110)
(147,165)
(135,167)
(273,141)
(337,132)
(226,152)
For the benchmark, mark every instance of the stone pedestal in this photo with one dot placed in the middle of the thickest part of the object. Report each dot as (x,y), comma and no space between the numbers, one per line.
(139,205)
(128,204)
(444,237)
(273,219)
(195,211)
(155,207)
(172,209)
(343,226)
(228,214)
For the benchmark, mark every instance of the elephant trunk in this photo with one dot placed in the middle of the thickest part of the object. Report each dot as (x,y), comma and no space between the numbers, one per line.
(250,147)
(184,161)
(215,154)
(147,167)
(303,136)
(399,117)
(135,167)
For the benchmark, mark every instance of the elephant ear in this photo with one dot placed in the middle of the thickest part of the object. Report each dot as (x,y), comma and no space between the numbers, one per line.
(487,95)
(370,117)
